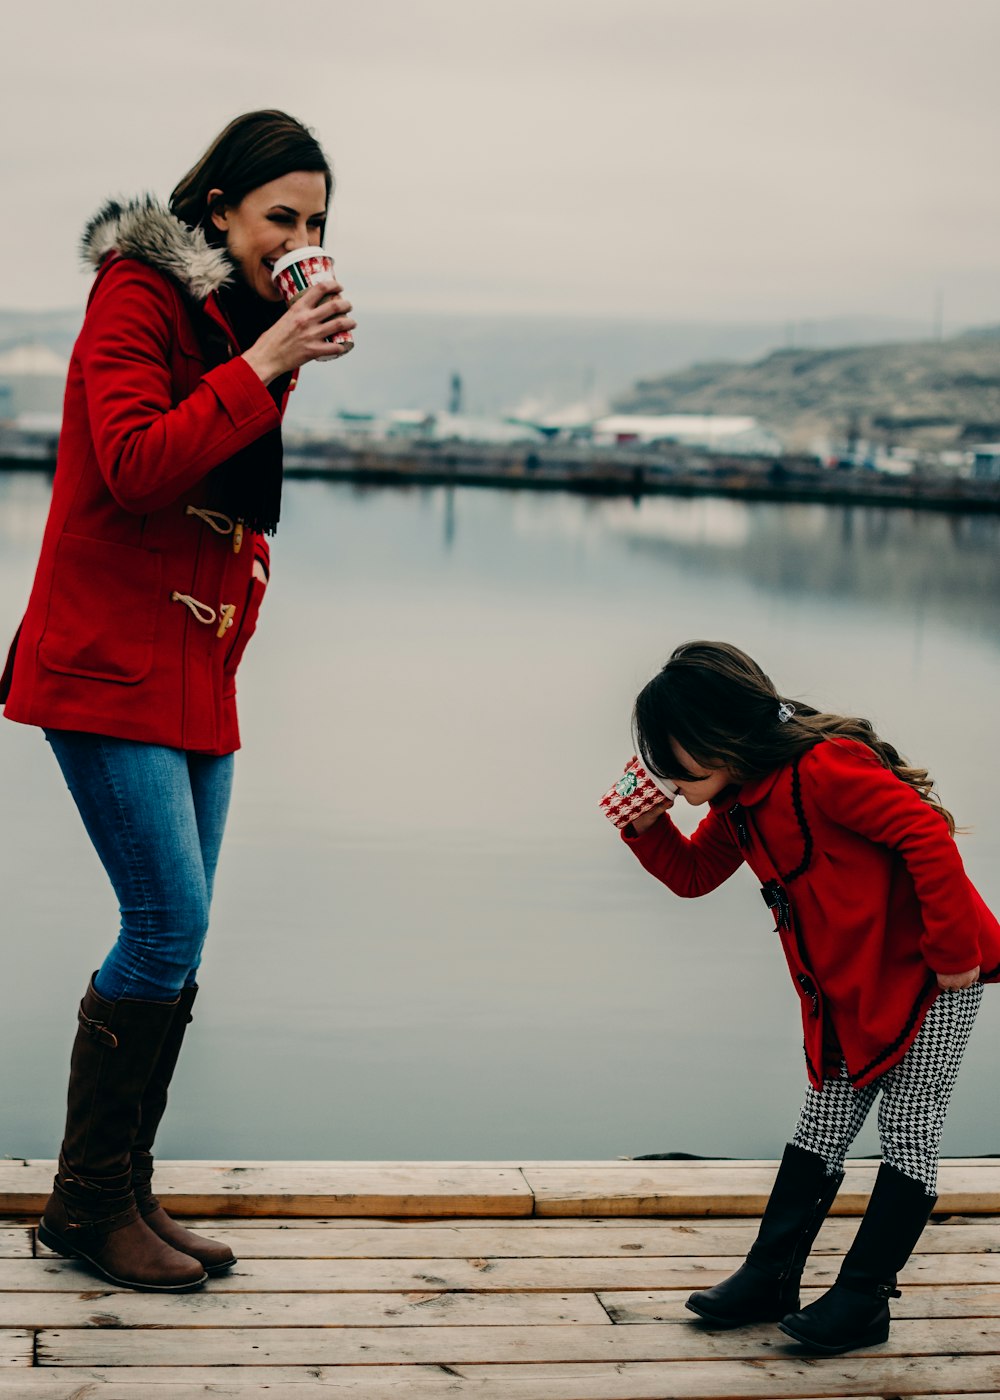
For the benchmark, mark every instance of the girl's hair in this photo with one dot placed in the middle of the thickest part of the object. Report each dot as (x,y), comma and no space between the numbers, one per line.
(253,150)
(718,704)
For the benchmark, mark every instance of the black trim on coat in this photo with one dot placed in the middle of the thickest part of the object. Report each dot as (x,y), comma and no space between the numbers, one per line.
(807,837)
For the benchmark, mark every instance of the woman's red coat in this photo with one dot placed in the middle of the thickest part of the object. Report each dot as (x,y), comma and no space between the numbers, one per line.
(878,898)
(104,647)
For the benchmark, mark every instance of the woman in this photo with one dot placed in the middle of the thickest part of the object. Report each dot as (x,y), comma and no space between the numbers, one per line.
(152,570)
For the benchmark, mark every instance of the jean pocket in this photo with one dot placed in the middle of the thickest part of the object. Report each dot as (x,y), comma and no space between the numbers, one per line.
(102,612)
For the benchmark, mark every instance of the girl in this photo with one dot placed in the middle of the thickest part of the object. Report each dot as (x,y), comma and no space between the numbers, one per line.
(887,942)
(153,566)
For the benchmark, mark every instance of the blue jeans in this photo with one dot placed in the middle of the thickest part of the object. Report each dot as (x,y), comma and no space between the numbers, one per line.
(156,817)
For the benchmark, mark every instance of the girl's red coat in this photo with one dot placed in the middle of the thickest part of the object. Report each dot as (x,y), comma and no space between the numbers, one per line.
(105,647)
(877,896)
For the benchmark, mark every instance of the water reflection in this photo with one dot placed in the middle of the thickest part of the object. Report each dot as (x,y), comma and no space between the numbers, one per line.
(895,557)
(422,922)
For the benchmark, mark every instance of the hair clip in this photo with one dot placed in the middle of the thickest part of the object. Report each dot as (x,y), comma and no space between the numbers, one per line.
(785,711)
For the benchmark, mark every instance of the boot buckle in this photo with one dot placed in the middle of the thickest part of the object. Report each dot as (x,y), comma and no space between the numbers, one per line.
(97,1030)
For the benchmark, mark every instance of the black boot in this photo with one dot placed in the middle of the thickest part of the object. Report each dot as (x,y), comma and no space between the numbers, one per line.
(766,1287)
(92,1214)
(854,1313)
(214,1257)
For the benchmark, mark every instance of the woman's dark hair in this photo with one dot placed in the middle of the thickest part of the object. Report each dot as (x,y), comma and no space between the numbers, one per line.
(719,706)
(253,150)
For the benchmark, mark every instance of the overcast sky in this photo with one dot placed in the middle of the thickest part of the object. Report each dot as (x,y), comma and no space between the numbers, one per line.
(686,159)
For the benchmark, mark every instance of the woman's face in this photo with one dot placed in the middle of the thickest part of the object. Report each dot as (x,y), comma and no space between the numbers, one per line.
(704,783)
(271,220)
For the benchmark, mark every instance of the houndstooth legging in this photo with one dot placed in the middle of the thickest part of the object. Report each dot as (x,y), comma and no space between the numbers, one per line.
(915,1095)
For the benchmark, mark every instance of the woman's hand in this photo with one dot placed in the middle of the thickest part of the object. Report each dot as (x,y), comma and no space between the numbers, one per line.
(955,981)
(303,333)
(645,821)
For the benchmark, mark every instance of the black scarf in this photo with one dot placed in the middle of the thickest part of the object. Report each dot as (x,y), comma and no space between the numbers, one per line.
(247,486)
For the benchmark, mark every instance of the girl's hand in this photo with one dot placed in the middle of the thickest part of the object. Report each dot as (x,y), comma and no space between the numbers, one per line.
(955,981)
(646,820)
(303,333)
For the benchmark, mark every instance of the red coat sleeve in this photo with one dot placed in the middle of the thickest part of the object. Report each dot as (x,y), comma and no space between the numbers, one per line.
(687,865)
(150,450)
(847,783)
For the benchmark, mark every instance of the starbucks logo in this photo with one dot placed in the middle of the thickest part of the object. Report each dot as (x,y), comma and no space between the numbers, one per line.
(626,785)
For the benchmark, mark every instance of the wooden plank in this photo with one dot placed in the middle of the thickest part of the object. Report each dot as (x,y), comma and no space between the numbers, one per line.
(708,1224)
(674,1190)
(650,1381)
(834,1379)
(667,1305)
(484,1275)
(494,1241)
(445,1242)
(762,1379)
(339,1190)
(121,1308)
(457,1346)
(16,1348)
(387,1223)
(310,1164)
(572,1240)
(472,1346)
(15,1244)
(422,1190)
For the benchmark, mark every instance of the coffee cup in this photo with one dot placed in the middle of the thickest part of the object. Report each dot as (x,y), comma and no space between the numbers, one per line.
(634,793)
(301,269)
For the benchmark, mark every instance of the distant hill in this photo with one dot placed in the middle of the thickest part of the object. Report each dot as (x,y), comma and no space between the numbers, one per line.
(509,364)
(981,333)
(926,394)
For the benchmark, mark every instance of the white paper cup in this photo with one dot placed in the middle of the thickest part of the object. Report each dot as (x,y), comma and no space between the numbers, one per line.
(635,792)
(301,269)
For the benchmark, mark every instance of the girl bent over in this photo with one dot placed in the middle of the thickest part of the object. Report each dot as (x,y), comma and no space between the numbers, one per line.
(153,566)
(887,941)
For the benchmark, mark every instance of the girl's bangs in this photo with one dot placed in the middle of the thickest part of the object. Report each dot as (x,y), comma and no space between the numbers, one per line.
(661,765)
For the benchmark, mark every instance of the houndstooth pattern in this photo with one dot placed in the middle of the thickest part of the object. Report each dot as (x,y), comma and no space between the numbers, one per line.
(915,1096)
(634,793)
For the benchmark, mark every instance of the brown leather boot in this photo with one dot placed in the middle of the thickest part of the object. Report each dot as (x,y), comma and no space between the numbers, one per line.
(213,1256)
(92,1213)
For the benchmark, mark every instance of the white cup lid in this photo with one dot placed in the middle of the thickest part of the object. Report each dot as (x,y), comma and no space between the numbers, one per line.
(666,785)
(668,788)
(299,255)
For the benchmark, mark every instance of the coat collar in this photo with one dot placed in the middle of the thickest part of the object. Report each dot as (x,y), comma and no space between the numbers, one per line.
(142,228)
(754,790)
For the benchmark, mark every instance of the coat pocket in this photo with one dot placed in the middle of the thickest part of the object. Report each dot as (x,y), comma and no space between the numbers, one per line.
(7,679)
(247,624)
(103,608)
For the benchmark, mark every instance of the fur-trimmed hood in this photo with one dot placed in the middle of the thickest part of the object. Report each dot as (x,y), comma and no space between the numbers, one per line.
(142,228)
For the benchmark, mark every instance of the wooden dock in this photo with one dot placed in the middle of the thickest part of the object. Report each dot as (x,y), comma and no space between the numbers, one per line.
(485,1280)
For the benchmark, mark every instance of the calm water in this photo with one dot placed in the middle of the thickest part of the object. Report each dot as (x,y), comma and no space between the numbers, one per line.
(427,942)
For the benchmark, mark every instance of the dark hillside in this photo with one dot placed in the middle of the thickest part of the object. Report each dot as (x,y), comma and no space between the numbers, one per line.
(925,394)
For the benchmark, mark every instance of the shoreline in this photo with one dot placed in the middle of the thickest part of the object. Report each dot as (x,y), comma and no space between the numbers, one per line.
(616,472)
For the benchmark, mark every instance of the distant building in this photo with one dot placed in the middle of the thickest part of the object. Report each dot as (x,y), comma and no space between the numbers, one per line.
(713,432)
(986,462)
(454,427)
(32,381)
